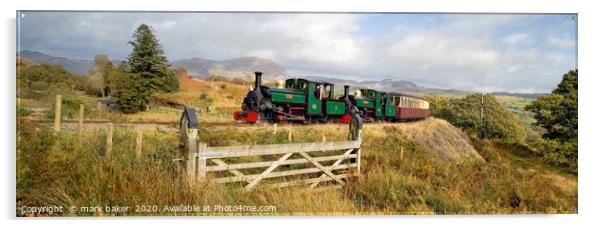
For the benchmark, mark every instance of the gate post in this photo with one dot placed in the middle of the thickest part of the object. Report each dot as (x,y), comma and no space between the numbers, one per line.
(201,162)
(188,140)
(355,133)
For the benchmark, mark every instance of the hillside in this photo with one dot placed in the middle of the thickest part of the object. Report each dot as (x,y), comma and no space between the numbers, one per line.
(239,67)
(78,66)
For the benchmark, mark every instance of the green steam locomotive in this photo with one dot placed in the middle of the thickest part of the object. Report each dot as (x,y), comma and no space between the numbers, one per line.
(301,100)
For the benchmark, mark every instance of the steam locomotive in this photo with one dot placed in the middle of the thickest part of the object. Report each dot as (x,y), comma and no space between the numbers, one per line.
(305,101)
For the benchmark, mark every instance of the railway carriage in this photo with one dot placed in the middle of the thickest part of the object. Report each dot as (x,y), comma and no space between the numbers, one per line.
(409,108)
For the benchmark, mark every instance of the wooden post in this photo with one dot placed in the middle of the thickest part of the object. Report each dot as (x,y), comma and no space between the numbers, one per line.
(290,134)
(359,153)
(99,107)
(109,147)
(192,149)
(81,118)
(201,162)
(275,129)
(224,114)
(138,151)
(401,153)
(358,160)
(57,114)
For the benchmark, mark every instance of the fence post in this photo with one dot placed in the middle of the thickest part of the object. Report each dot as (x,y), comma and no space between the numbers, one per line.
(81,118)
(99,107)
(275,129)
(138,151)
(109,147)
(201,162)
(290,134)
(57,114)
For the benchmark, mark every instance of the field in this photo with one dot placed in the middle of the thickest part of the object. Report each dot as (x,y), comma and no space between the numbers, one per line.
(428,167)
(406,170)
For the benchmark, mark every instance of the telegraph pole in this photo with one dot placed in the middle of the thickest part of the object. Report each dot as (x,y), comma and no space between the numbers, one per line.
(576,19)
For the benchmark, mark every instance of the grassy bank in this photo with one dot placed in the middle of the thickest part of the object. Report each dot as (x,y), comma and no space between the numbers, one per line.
(402,173)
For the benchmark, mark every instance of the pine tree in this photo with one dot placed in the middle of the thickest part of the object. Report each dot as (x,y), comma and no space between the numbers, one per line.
(148,60)
(145,71)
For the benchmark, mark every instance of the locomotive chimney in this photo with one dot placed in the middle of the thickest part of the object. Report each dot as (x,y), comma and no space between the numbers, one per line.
(346,91)
(257,80)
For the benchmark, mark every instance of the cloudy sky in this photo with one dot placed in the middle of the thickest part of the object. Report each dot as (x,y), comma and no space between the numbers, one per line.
(489,52)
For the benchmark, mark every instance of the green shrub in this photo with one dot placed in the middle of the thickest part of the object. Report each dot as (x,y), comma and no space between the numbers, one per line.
(559,153)
(34,75)
(465,113)
(69,108)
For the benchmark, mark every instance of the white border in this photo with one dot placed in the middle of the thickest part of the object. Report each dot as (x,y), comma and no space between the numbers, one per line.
(589,62)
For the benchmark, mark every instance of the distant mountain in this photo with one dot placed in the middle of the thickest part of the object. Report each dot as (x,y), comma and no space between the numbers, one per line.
(198,67)
(523,95)
(78,66)
(238,67)
(388,85)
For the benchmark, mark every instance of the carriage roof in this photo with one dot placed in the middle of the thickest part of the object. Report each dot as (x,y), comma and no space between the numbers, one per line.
(396,94)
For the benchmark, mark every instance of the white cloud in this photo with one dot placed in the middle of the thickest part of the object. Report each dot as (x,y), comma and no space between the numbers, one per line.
(564,42)
(516,38)
(461,52)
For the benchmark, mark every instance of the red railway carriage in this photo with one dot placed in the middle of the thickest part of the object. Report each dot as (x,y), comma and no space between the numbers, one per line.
(409,107)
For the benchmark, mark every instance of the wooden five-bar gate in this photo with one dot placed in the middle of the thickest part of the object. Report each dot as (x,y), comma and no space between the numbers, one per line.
(276,165)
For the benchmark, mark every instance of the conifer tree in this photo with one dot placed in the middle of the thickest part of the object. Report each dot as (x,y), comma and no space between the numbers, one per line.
(148,60)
